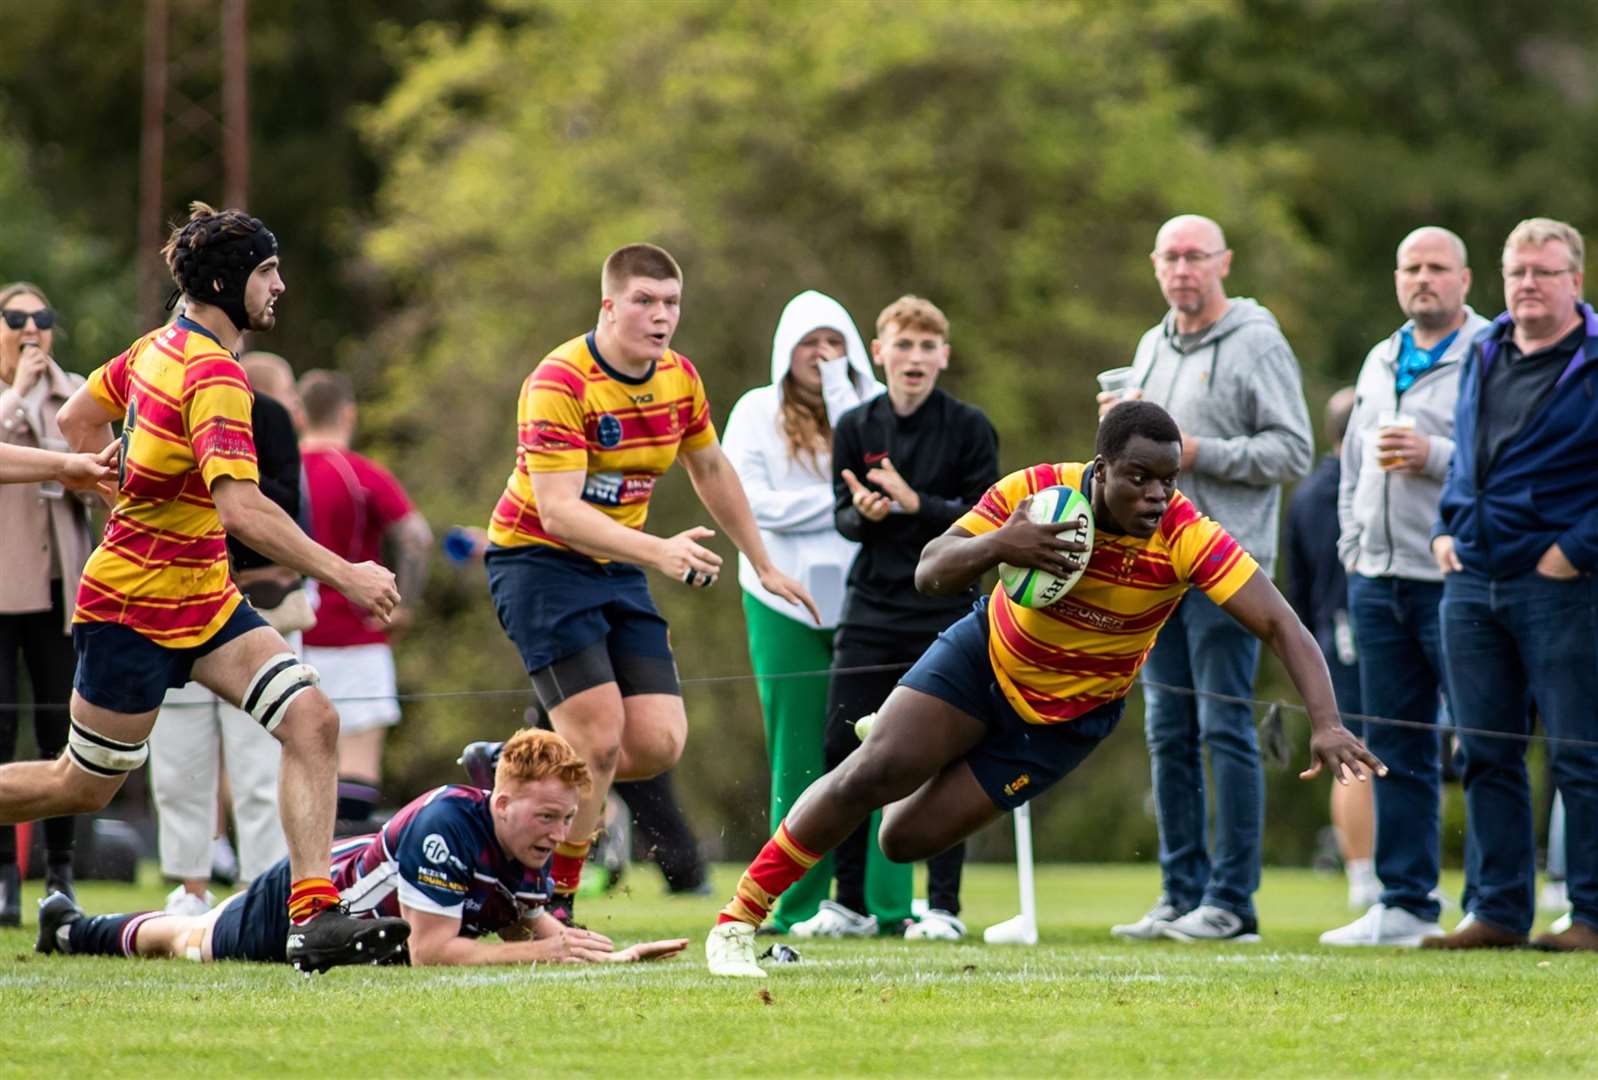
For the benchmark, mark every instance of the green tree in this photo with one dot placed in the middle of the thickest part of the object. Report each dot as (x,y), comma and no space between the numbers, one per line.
(1011,161)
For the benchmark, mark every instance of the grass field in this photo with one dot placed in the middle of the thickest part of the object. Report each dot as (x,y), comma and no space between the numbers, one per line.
(1077,1004)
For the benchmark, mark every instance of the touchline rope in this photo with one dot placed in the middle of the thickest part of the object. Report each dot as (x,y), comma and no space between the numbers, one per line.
(1270,707)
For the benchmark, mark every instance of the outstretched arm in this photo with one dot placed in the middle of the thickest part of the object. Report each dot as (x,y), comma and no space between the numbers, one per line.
(435,941)
(1264,612)
(719,488)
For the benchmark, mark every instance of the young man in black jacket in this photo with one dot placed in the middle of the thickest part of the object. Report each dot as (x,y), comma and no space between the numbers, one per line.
(906,465)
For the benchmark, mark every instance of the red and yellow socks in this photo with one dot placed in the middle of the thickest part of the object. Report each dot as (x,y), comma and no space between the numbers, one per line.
(780,863)
(308,897)
(566,866)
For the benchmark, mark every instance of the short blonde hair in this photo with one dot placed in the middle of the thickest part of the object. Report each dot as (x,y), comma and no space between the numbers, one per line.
(533,754)
(1538,231)
(913,313)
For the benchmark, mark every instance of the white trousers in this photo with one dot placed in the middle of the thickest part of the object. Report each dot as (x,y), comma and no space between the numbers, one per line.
(196,732)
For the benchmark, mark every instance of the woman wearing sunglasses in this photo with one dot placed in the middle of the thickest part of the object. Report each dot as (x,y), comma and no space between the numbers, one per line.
(44,541)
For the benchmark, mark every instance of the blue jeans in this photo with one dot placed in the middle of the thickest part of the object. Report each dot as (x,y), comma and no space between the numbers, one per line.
(1203,648)
(1506,642)
(1396,628)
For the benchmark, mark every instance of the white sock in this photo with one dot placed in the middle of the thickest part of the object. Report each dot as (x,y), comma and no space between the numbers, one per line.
(1361,874)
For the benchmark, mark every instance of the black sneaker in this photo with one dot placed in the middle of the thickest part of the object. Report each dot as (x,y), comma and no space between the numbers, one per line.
(334,937)
(479,759)
(55,911)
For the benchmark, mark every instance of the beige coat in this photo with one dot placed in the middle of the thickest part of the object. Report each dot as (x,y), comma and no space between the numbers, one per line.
(44,533)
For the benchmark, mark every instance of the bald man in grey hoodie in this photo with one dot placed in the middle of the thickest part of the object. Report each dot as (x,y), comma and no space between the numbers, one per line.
(1222,368)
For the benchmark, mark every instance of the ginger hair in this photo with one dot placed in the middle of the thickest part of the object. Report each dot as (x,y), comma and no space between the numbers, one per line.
(533,754)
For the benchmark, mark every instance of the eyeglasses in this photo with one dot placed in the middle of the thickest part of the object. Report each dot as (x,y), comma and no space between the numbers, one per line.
(1192,258)
(43,319)
(1539,274)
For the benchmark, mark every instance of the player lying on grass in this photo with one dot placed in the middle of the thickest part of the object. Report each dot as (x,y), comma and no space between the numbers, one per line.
(457,864)
(75,472)
(1010,699)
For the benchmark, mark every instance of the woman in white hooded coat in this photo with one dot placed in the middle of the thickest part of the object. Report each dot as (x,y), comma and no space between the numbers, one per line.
(779,439)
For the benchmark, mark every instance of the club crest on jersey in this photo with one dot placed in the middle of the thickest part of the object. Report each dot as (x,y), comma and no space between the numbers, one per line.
(1022,781)
(435,848)
(608,431)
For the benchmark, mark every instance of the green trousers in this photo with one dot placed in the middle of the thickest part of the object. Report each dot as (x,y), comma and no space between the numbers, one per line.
(795,711)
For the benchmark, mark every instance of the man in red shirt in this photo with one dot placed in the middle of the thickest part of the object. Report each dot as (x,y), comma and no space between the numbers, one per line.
(356,506)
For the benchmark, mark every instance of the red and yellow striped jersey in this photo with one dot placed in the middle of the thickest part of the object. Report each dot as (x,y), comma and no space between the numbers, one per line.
(576,412)
(162,566)
(1084,650)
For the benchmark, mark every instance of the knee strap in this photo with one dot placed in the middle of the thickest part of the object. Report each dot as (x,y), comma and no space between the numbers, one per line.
(99,756)
(279,681)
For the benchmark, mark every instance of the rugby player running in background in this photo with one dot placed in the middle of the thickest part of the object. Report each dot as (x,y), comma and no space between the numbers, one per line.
(458,863)
(599,420)
(1010,699)
(156,606)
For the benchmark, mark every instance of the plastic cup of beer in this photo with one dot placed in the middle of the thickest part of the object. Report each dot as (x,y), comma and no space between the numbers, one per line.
(1117,380)
(1387,420)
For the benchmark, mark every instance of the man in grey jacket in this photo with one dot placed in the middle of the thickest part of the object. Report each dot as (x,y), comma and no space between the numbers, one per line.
(1395,459)
(1222,368)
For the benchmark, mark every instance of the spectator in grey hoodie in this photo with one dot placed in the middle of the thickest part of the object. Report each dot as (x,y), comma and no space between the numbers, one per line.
(1222,368)
(1395,459)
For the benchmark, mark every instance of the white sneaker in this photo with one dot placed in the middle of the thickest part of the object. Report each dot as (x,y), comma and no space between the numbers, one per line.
(1561,924)
(935,925)
(1210,923)
(1148,927)
(730,951)
(1383,925)
(182,902)
(835,920)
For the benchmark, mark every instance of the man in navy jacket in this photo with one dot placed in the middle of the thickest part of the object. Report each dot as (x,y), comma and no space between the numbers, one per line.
(1517,538)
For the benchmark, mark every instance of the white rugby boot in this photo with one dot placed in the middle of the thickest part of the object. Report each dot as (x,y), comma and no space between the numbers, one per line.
(730,951)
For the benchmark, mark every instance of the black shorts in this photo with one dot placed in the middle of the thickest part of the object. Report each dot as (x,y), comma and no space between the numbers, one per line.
(256,927)
(579,624)
(1015,760)
(122,670)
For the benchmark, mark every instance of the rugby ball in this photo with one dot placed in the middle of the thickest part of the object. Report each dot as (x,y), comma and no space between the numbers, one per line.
(1039,588)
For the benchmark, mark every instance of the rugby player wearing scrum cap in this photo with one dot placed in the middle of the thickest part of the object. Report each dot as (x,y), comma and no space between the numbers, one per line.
(156,606)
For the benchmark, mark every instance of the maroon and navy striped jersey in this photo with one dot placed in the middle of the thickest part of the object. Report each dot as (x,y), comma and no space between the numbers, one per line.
(439,855)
